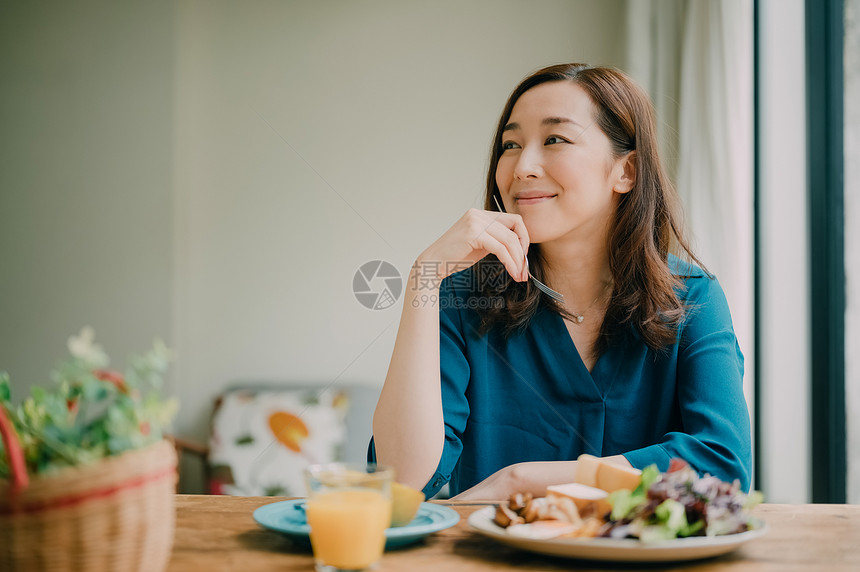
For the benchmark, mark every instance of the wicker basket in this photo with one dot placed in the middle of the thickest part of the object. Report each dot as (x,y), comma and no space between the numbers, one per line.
(117,514)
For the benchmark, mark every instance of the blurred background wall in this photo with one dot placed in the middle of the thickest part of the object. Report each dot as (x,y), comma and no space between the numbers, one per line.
(87,155)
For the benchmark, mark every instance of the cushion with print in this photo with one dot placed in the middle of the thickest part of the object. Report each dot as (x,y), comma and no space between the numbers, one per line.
(262,440)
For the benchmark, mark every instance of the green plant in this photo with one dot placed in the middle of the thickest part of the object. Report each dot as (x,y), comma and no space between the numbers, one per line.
(91,412)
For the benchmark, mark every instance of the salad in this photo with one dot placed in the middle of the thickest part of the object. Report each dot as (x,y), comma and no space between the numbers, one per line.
(679,503)
(661,506)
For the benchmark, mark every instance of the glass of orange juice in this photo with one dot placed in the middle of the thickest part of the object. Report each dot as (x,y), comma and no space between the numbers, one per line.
(348,510)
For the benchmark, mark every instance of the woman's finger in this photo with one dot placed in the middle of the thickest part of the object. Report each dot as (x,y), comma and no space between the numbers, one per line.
(478,233)
(516,224)
(486,242)
(522,232)
(512,242)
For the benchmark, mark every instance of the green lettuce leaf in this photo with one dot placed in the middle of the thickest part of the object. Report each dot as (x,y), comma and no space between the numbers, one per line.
(624,502)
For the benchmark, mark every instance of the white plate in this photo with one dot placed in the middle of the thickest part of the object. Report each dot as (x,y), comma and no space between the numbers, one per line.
(616,550)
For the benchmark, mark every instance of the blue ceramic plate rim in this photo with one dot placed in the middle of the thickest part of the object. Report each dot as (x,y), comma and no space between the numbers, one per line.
(288,517)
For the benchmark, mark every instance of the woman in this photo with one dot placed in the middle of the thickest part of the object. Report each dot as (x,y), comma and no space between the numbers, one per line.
(496,387)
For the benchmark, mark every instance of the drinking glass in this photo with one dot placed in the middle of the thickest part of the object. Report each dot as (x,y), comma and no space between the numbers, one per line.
(348,510)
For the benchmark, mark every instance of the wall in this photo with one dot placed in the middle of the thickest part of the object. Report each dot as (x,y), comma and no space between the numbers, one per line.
(86,190)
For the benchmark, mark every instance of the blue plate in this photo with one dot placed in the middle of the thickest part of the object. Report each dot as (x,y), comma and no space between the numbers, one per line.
(289,517)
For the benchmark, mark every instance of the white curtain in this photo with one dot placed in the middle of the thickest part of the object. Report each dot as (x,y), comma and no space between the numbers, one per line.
(695,59)
(654,42)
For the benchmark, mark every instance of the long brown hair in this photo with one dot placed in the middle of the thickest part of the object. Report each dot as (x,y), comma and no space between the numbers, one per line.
(645,229)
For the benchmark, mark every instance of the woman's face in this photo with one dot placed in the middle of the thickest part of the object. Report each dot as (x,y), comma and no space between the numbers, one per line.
(557,169)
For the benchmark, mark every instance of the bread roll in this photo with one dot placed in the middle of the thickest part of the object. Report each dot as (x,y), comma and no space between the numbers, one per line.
(612,477)
(596,472)
(586,470)
(587,499)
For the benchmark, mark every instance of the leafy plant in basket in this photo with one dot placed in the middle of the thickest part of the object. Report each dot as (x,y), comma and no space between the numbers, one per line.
(91,413)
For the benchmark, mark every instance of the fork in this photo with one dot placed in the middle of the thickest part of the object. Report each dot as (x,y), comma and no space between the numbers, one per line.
(540,285)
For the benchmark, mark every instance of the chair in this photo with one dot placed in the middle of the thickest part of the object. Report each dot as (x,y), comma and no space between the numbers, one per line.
(263,435)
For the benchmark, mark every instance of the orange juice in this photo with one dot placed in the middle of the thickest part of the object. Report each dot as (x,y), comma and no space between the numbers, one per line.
(348,526)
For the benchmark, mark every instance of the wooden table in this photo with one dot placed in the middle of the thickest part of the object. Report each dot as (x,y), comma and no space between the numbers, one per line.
(216,533)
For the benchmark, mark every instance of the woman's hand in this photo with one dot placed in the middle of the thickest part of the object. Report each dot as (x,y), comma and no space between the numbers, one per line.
(531,477)
(494,487)
(477,234)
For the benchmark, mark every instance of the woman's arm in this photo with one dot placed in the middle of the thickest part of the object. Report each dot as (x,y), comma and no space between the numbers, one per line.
(532,477)
(408,424)
(715,434)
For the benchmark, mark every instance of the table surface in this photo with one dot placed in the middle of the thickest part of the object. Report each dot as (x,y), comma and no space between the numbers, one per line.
(216,533)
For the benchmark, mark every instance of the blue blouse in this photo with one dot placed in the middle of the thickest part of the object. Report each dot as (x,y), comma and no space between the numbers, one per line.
(530,397)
